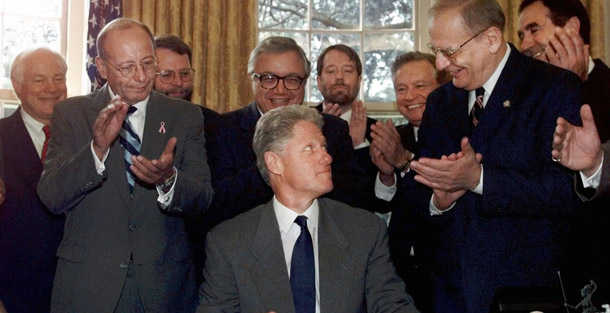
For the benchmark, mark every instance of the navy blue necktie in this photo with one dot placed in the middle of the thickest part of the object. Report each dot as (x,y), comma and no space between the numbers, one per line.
(302,271)
(131,143)
(477,108)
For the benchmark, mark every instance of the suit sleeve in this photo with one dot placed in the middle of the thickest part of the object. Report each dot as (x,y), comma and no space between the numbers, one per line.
(69,173)
(193,190)
(384,290)
(219,291)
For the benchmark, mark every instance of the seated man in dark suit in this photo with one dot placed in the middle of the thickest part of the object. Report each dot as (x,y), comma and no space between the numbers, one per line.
(414,77)
(278,70)
(29,233)
(298,252)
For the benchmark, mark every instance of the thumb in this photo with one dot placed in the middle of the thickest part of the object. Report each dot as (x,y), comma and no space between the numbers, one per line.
(466,147)
(587,118)
(169,147)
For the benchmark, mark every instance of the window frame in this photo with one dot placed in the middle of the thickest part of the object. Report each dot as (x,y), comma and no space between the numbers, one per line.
(420,39)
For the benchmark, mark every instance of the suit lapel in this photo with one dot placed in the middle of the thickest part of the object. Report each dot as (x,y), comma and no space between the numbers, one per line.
(335,266)
(19,135)
(153,141)
(269,274)
(503,101)
(248,123)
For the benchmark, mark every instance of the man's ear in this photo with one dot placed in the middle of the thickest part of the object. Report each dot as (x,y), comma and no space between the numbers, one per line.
(101,67)
(573,24)
(17,87)
(493,37)
(274,163)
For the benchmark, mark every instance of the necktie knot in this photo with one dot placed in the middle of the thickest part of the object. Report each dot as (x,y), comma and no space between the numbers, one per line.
(131,109)
(301,220)
(479,92)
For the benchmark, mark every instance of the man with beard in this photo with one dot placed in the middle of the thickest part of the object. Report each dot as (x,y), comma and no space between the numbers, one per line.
(339,75)
(175,76)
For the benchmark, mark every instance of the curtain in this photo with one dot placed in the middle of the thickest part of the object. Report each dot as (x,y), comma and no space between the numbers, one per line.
(596,15)
(221,34)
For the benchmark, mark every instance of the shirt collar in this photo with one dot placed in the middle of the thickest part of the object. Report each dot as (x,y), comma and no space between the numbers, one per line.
(591,66)
(141,106)
(490,84)
(347,116)
(30,122)
(285,216)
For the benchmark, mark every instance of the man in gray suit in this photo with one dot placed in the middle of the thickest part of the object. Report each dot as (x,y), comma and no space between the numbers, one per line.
(125,198)
(261,261)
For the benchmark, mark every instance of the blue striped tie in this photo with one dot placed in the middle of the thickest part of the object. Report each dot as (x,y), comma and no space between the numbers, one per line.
(131,143)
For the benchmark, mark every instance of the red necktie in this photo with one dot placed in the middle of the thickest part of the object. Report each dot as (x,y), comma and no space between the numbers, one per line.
(45,146)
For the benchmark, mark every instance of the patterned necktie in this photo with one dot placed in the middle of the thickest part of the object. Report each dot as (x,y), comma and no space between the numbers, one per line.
(302,271)
(131,143)
(45,146)
(477,108)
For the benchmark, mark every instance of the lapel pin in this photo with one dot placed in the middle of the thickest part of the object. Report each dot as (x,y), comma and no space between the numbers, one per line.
(506,103)
(162,128)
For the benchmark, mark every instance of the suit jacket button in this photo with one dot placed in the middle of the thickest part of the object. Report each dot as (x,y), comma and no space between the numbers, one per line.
(132,227)
(123,265)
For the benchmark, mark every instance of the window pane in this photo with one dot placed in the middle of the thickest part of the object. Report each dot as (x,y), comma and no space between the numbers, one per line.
(380,50)
(50,8)
(21,34)
(388,14)
(319,42)
(332,14)
(282,14)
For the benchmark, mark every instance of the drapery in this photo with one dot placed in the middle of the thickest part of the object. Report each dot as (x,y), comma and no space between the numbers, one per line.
(221,34)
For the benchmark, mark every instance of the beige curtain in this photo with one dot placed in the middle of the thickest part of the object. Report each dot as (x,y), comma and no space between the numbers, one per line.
(596,15)
(221,33)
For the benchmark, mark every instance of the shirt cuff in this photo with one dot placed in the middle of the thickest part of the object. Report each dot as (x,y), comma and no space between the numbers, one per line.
(165,199)
(365,144)
(99,165)
(435,211)
(384,192)
(593,181)
(479,188)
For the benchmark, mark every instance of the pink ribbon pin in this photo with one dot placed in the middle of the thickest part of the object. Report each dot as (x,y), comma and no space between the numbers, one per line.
(162,128)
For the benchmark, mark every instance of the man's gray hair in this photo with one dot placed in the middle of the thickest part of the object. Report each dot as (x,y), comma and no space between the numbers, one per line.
(278,45)
(17,65)
(412,56)
(477,15)
(276,127)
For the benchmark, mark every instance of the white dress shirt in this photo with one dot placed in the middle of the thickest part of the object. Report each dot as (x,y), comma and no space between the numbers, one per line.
(34,128)
(290,232)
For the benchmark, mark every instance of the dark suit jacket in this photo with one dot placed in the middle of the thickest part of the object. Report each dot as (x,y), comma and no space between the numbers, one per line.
(106,227)
(363,160)
(512,234)
(237,182)
(29,233)
(246,269)
(596,92)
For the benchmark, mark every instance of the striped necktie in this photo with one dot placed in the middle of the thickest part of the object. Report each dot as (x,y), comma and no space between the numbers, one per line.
(131,143)
(302,271)
(477,109)
(45,145)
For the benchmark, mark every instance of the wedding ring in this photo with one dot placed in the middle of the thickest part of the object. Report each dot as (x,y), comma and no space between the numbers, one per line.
(556,160)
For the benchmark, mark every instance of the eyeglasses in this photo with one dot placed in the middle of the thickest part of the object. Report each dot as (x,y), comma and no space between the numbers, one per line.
(270,81)
(448,53)
(167,76)
(129,69)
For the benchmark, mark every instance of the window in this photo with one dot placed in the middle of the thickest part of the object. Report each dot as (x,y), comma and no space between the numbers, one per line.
(378,30)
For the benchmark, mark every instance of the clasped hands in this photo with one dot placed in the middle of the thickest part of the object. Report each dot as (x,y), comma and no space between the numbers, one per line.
(106,128)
